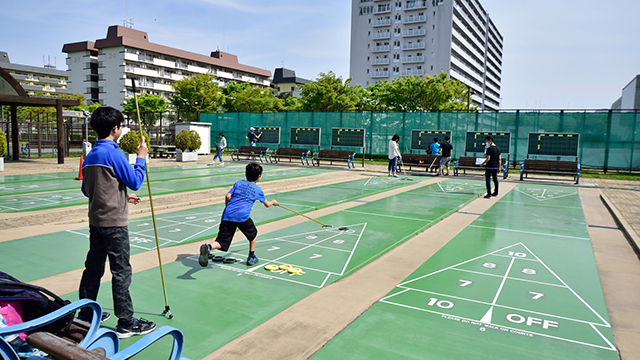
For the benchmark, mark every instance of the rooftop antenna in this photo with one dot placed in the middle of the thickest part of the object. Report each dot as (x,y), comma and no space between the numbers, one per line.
(48,64)
(127,22)
(284,56)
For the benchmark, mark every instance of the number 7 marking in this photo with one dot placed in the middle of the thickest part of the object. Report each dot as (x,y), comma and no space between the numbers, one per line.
(315,256)
(536,295)
(465,282)
(273,248)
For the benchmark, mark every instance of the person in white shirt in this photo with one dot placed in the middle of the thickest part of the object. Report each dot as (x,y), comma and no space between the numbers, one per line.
(221,145)
(394,153)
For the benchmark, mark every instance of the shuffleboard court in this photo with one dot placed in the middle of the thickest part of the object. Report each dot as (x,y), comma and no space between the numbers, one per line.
(519,282)
(53,199)
(214,305)
(173,228)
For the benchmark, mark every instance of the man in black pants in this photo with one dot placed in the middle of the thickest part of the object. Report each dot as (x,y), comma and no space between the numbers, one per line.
(493,165)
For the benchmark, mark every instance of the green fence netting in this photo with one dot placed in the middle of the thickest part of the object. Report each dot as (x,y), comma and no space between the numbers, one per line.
(608,140)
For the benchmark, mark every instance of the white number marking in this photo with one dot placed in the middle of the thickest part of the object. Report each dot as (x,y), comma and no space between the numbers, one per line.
(338,241)
(536,295)
(518,254)
(175,230)
(465,282)
(315,256)
(489,265)
(529,271)
(444,304)
(311,237)
(273,248)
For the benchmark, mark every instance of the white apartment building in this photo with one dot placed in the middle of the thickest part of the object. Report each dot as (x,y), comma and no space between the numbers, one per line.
(34,79)
(393,38)
(101,70)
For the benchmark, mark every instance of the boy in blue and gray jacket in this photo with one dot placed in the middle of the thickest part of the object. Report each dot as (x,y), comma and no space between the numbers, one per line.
(107,174)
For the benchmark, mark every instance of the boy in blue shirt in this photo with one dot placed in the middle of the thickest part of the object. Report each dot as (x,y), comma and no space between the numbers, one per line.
(236,215)
(435,147)
(107,175)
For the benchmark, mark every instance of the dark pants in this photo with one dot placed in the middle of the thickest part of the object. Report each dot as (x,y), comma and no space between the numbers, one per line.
(392,164)
(114,243)
(488,174)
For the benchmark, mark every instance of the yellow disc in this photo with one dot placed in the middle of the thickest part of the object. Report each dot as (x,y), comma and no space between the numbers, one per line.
(293,270)
(271,267)
(285,267)
(458,187)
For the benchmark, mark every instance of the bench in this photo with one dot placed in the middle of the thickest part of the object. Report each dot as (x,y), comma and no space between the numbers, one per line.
(292,153)
(469,163)
(334,155)
(245,150)
(550,167)
(88,342)
(427,161)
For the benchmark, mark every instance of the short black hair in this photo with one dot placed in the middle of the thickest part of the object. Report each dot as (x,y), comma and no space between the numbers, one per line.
(253,171)
(104,119)
(221,134)
(435,139)
(489,137)
(395,137)
(447,138)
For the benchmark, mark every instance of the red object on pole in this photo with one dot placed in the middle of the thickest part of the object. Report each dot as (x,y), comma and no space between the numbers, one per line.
(80,170)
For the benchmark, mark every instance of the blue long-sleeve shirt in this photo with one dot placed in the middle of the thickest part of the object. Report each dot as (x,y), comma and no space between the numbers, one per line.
(106,176)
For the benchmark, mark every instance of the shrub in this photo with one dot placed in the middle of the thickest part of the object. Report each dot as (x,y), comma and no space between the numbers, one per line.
(3,143)
(188,140)
(129,141)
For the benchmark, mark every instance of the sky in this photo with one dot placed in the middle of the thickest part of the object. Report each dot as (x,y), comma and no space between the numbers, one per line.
(565,54)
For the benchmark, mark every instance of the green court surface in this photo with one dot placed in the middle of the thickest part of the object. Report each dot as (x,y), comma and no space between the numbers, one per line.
(519,283)
(173,228)
(161,184)
(214,305)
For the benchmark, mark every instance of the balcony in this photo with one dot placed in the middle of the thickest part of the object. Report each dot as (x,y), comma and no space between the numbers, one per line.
(414,19)
(381,22)
(415,72)
(383,61)
(380,48)
(414,32)
(379,74)
(411,46)
(382,10)
(412,59)
(381,35)
(415,5)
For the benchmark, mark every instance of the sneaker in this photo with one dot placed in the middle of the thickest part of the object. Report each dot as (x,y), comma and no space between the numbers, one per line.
(222,163)
(494,194)
(488,196)
(394,175)
(203,260)
(252,260)
(105,317)
(139,327)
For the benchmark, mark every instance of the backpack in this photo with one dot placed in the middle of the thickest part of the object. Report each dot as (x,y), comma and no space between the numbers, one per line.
(36,301)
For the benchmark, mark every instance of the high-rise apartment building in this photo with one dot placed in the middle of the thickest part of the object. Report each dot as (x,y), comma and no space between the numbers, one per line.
(393,38)
(46,80)
(100,70)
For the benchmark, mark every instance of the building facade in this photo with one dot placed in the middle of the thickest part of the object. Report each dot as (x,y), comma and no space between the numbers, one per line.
(630,99)
(101,70)
(34,79)
(286,81)
(393,38)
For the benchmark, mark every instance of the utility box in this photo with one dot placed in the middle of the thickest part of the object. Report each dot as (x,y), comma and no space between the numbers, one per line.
(203,129)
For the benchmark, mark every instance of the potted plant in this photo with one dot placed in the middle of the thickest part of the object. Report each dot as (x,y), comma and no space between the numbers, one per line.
(3,147)
(129,144)
(187,143)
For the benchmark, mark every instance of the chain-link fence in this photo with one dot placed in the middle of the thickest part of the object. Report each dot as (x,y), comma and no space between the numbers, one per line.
(608,140)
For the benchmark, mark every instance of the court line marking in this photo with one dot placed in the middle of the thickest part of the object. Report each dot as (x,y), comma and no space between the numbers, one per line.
(510,278)
(570,289)
(541,199)
(504,278)
(603,337)
(353,249)
(301,243)
(440,186)
(542,204)
(506,327)
(365,184)
(529,232)
(489,304)
(385,215)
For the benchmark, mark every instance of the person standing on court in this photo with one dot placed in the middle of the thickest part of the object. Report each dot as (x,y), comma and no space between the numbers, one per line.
(492,163)
(445,160)
(221,145)
(435,147)
(253,138)
(394,153)
(107,174)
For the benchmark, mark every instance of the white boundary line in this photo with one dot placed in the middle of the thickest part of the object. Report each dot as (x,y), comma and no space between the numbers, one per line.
(541,199)
(603,337)
(529,232)
(383,215)
(510,278)
(504,279)
(506,327)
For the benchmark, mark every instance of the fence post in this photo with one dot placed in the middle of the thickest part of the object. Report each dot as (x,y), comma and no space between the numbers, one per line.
(607,142)
(633,140)
(515,149)
(29,137)
(60,131)
(39,140)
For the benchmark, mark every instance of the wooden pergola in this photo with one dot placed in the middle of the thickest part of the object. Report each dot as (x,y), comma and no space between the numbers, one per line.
(14,95)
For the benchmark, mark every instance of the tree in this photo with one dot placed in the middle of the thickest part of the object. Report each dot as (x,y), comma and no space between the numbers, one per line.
(48,113)
(418,93)
(329,93)
(197,94)
(151,108)
(246,98)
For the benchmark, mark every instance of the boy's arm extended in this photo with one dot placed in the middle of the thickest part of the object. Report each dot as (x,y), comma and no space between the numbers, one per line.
(227,198)
(270,203)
